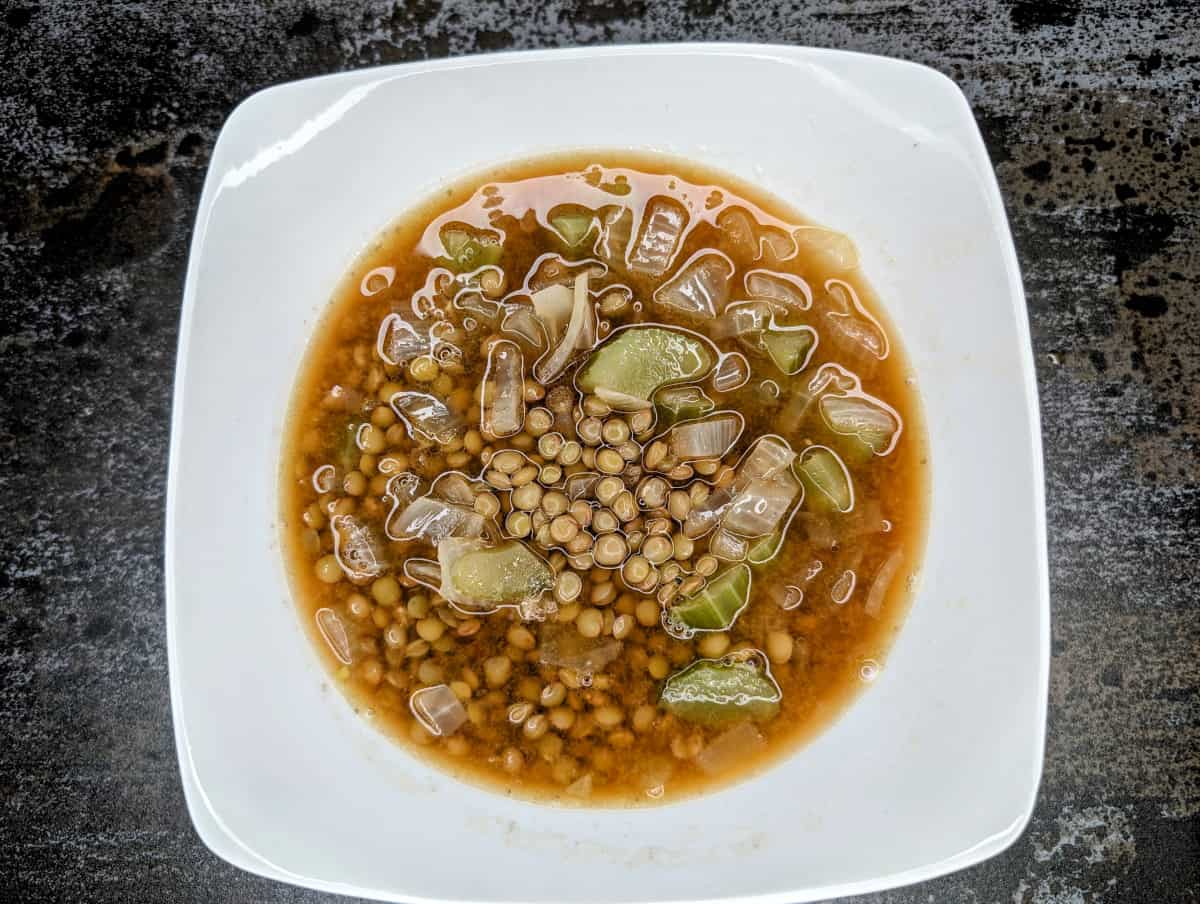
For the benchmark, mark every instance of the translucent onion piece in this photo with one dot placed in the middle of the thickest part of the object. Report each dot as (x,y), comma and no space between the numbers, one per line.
(426,416)
(874,423)
(857,324)
(580,788)
(843,587)
(743,320)
(818,530)
(845,331)
(727,546)
(704,517)
(444,351)
(334,632)
(426,302)
(769,457)
(731,749)
(664,221)
(709,437)
(760,507)
(882,582)
(357,548)
(834,249)
(402,488)
(375,281)
(522,322)
(833,378)
(399,341)
(506,375)
(581,485)
(789,292)
(733,372)
(434,520)
(700,288)
(438,710)
(795,412)
(616,224)
(561,646)
(473,302)
(789,597)
(550,366)
(425,572)
(554,305)
(778,244)
(453,486)
(551,269)
(739,230)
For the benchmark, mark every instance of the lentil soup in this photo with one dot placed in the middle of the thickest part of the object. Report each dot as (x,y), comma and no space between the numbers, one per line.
(604,480)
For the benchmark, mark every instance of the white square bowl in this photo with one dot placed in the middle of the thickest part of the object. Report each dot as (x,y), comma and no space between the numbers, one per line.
(935,768)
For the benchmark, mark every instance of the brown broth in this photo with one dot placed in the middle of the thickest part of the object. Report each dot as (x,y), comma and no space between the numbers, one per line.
(837,647)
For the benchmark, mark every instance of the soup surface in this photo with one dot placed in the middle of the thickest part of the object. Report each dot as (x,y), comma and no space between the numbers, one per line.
(604,480)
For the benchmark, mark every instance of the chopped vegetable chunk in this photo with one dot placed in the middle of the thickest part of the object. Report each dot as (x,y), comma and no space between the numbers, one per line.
(638,361)
(469,249)
(790,348)
(572,225)
(682,403)
(711,692)
(826,479)
(482,576)
(717,605)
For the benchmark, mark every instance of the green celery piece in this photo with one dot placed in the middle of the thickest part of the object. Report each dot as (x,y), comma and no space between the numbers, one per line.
(509,573)
(682,403)
(637,361)
(710,692)
(572,226)
(764,550)
(468,251)
(788,349)
(826,482)
(716,605)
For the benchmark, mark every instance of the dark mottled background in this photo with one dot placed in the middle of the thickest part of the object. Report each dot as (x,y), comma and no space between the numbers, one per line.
(108,113)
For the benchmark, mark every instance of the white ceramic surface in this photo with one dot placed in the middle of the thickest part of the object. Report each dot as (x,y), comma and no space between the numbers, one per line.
(936,767)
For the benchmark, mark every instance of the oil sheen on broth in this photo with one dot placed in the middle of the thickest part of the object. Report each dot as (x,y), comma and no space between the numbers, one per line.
(604,480)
